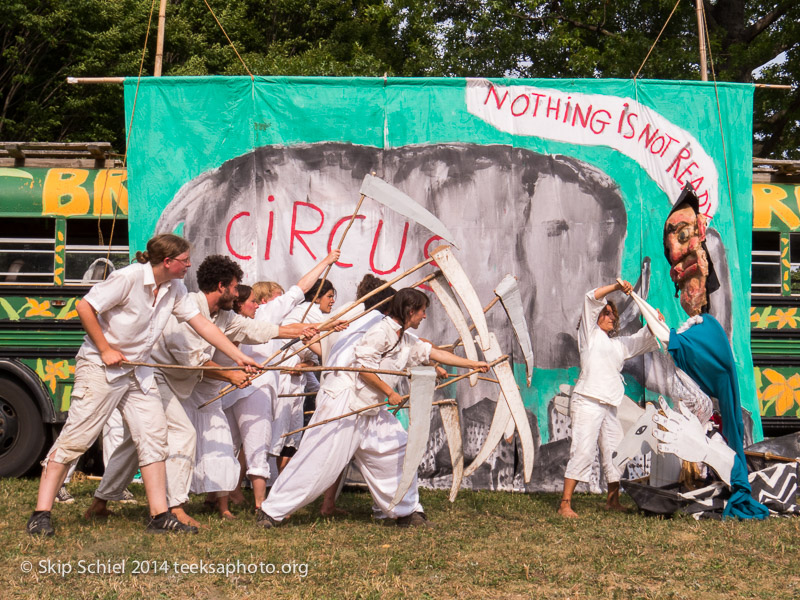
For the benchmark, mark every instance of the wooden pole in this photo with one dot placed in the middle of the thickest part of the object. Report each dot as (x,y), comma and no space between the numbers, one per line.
(399,406)
(314,370)
(338,247)
(701,37)
(162,15)
(230,388)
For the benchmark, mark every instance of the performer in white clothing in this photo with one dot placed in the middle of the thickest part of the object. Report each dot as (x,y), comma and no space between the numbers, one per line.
(375,439)
(250,410)
(123,317)
(288,410)
(598,392)
(217,278)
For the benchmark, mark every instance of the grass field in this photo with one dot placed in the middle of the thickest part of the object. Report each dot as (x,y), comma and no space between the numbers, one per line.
(485,545)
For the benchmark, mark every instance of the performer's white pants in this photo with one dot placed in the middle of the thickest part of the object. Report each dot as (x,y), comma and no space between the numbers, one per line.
(287,416)
(377,444)
(250,420)
(593,424)
(216,468)
(113,432)
(93,401)
(180,463)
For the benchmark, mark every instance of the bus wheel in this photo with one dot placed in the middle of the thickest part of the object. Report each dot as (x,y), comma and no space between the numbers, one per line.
(22,434)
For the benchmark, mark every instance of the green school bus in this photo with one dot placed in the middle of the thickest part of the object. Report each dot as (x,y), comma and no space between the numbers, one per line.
(63,228)
(775,301)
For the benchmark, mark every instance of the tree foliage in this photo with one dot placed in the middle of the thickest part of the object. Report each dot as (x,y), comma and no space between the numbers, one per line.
(43,41)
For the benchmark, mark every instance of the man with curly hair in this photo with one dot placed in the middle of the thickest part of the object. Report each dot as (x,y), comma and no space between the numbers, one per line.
(217,277)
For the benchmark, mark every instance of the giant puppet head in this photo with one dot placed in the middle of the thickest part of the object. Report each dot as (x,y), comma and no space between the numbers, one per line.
(692,271)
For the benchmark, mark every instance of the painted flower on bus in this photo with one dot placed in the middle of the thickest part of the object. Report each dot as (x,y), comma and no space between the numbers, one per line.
(54,371)
(784,318)
(782,391)
(38,309)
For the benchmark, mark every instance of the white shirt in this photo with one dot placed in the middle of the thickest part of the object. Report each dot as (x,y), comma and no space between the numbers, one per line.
(131,321)
(377,350)
(274,311)
(180,344)
(602,357)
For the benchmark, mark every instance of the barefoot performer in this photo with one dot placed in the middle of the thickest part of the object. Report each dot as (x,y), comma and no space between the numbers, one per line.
(598,392)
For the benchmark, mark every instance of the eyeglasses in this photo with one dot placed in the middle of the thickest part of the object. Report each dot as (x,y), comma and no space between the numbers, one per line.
(186,262)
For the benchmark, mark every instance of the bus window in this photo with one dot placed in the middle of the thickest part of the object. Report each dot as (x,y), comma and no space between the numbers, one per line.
(766,262)
(27,250)
(794,259)
(89,257)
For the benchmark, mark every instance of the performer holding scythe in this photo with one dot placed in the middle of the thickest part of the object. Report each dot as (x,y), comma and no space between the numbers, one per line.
(598,392)
(123,317)
(375,439)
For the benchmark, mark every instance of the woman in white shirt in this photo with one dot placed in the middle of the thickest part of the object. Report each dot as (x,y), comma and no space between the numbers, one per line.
(598,392)
(375,439)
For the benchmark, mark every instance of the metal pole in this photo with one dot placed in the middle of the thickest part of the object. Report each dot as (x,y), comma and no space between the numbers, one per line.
(162,15)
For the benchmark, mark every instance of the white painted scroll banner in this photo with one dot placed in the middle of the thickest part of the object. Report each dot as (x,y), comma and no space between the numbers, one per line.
(669,154)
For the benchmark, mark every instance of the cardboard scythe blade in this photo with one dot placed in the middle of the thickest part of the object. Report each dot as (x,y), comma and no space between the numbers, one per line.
(441,288)
(511,393)
(658,328)
(508,291)
(508,434)
(420,400)
(455,274)
(388,195)
(452,430)
(500,420)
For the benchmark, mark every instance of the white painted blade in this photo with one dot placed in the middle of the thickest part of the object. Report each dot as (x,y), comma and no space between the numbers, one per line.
(508,434)
(511,393)
(508,291)
(441,288)
(452,430)
(658,327)
(500,420)
(421,384)
(455,274)
(388,195)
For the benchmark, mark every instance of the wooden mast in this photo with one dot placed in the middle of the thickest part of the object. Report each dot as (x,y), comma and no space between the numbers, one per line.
(162,15)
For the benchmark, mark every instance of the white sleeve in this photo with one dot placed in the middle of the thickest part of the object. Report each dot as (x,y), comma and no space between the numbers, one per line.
(591,310)
(641,342)
(371,348)
(111,292)
(185,306)
(275,310)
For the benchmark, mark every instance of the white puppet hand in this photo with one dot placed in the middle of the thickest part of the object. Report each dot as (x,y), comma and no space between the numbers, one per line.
(685,437)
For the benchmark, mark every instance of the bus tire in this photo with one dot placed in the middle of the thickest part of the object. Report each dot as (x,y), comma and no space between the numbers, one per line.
(22,433)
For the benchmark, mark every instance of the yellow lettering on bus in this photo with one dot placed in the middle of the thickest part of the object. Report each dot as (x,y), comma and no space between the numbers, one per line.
(62,193)
(768,200)
(110,186)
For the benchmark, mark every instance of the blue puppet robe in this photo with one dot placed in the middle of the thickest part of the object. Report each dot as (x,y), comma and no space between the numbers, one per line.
(703,352)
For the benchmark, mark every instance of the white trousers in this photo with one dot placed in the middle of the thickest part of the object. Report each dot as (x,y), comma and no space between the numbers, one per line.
(181,438)
(216,468)
(93,401)
(593,424)
(376,443)
(113,432)
(250,420)
(287,414)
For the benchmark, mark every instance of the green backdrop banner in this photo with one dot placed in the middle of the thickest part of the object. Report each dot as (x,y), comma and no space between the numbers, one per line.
(564,183)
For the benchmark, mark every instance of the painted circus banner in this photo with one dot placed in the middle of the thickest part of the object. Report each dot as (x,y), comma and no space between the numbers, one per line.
(565,184)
